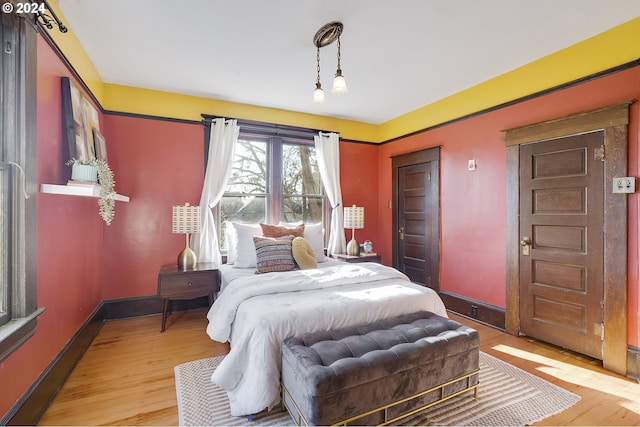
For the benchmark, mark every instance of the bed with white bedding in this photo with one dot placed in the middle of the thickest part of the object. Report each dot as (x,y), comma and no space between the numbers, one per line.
(255,313)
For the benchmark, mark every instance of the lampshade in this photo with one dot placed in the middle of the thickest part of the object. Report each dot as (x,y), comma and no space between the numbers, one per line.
(354,217)
(318,94)
(339,83)
(186,219)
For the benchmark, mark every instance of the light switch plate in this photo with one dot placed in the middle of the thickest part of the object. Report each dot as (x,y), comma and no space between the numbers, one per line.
(471,165)
(625,185)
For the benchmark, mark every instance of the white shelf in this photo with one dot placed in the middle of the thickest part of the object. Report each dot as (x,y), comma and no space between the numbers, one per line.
(78,190)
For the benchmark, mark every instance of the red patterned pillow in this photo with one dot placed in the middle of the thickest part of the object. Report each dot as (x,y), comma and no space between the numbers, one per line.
(274,254)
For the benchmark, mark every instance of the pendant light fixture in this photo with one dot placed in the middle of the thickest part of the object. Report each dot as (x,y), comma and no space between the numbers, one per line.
(325,36)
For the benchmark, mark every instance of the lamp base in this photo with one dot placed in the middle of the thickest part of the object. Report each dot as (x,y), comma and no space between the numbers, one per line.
(353,248)
(187,259)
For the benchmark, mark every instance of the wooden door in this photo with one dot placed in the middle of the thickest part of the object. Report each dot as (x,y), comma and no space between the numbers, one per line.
(562,243)
(416,217)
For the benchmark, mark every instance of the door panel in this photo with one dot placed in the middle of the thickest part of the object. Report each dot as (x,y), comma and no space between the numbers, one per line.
(561,208)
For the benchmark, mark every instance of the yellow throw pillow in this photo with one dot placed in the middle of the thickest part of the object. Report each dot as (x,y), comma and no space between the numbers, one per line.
(303,253)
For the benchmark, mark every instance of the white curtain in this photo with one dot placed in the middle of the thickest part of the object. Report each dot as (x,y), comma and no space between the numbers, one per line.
(222,142)
(328,151)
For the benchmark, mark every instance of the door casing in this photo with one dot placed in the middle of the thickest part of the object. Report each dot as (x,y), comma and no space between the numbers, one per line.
(613,121)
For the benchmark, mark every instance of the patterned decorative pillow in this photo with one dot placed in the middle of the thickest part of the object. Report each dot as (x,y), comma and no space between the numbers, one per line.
(274,254)
(281,230)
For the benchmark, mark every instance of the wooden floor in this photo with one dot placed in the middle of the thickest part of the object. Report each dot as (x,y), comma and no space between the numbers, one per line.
(126,376)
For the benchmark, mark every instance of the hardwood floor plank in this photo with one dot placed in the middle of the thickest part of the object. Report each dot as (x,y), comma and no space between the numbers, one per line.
(126,376)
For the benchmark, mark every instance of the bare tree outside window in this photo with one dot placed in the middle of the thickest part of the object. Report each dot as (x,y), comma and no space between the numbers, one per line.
(272,181)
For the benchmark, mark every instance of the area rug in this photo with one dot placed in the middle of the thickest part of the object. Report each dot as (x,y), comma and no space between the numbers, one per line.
(508,396)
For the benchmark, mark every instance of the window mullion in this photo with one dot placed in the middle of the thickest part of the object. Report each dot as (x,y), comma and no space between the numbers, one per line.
(275,180)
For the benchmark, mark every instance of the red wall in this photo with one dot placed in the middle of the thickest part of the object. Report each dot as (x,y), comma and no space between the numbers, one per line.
(473,203)
(69,246)
(359,182)
(157,164)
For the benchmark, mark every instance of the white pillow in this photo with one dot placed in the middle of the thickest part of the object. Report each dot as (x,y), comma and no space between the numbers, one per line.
(231,239)
(314,234)
(244,254)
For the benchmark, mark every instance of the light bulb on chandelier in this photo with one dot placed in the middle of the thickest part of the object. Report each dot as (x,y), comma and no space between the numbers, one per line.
(318,94)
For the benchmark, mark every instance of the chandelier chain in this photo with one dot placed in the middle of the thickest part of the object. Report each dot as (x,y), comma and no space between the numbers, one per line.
(338,52)
(318,61)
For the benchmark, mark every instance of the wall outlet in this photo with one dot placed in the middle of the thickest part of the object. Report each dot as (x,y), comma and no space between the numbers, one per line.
(625,184)
(474,311)
(471,165)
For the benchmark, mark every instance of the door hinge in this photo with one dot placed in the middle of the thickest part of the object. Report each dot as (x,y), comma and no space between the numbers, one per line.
(598,329)
(598,153)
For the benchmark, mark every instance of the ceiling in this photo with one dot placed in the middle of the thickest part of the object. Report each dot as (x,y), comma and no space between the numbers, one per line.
(396,56)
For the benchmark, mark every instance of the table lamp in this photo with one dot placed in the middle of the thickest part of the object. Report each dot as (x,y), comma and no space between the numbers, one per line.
(186,220)
(353,218)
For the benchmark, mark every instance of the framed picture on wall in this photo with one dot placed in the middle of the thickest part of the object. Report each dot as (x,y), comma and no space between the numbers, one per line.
(100,145)
(80,118)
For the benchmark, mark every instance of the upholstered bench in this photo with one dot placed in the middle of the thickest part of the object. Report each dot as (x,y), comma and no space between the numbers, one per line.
(380,372)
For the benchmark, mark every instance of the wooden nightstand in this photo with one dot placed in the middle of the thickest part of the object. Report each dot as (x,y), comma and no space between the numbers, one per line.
(173,283)
(364,257)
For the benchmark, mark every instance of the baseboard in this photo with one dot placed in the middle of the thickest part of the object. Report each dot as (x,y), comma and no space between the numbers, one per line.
(476,310)
(633,363)
(34,402)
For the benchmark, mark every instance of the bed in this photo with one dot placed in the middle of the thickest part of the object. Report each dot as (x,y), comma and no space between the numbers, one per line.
(256,312)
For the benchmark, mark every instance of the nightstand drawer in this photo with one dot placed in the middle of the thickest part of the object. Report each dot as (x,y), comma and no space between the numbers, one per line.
(188,284)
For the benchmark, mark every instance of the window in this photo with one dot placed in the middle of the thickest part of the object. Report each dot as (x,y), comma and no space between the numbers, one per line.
(275,177)
(18,308)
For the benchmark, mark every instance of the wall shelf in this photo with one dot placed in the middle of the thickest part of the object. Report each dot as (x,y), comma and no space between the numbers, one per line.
(78,190)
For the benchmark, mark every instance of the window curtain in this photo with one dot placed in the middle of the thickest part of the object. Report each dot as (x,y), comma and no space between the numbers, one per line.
(222,142)
(328,152)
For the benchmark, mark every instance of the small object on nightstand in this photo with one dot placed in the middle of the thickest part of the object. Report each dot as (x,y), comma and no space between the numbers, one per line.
(367,246)
(363,257)
(177,284)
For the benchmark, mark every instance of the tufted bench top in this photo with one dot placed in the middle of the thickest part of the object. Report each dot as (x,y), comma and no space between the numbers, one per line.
(350,356)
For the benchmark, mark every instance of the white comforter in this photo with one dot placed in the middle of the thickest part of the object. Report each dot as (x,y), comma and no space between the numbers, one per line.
(256,313)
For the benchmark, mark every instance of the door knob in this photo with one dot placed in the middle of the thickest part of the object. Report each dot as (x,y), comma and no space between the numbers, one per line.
(401,233)
(526,245)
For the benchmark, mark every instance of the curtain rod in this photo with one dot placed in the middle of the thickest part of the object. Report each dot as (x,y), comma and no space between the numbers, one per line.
(264,127)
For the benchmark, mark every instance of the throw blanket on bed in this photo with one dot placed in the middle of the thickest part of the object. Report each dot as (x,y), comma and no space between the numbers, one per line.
(256,313)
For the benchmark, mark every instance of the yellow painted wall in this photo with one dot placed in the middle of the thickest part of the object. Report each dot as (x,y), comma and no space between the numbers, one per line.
(617,46)
(164,104)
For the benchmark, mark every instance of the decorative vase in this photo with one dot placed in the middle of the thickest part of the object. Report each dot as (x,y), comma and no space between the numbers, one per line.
(87,173)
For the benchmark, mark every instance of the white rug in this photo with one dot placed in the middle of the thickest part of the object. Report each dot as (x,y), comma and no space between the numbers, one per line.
(508,396)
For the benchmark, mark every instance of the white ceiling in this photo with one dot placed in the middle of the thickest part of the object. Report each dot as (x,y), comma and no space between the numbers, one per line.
(397,56)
